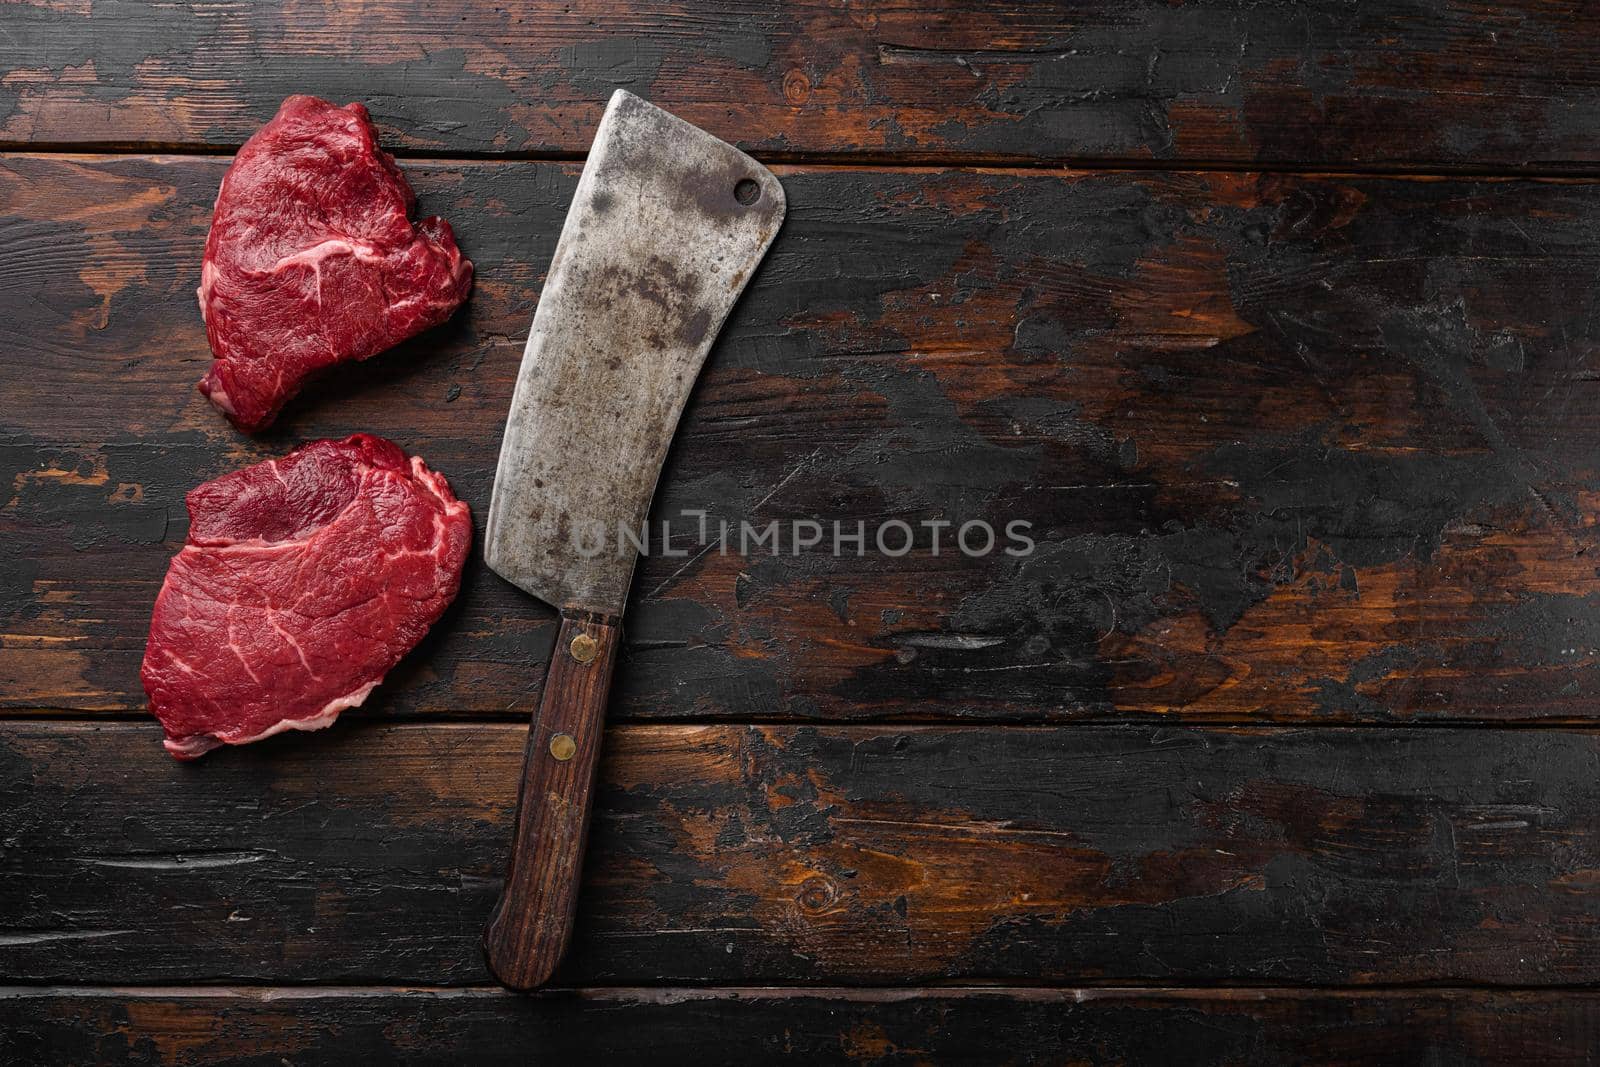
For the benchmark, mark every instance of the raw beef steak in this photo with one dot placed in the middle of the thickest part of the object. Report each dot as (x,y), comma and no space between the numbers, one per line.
(304,580)
(312,259)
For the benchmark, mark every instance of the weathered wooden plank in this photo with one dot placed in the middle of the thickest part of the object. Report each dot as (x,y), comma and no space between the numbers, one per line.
(754,855)
(1380,83)
(708,1027)
(1292,447)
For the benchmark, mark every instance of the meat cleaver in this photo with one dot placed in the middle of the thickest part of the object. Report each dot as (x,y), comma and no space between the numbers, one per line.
(666,228)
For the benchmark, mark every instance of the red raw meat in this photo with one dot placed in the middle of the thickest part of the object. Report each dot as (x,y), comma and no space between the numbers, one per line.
(312,259)
(303,582)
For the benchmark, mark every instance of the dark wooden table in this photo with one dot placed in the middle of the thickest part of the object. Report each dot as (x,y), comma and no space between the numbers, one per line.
(1279,323)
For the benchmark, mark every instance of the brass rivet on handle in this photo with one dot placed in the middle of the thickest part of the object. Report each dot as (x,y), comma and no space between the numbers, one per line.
(583,648)
(562,747)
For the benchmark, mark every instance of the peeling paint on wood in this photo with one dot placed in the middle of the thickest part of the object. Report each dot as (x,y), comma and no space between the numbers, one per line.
(662,1027)
(783,854)
(1330,84)
(1306,448)
(1294,448)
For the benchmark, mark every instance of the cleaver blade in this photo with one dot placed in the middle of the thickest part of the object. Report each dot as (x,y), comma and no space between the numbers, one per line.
(666,227)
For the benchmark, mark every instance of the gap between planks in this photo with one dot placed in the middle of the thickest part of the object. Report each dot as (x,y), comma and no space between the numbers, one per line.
(982,162)
(517,719)
(1075,993)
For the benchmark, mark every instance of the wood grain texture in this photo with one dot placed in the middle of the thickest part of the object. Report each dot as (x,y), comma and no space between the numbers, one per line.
(1507,85)
(761,855)
(531,924)
(1293,448)
(1311,448)
(820,1027)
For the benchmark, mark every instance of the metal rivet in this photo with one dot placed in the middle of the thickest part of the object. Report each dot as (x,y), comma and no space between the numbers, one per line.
(562,746)
(584,648)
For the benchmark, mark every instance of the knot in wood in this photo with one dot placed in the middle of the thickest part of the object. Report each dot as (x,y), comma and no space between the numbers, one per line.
(796,87)
(817,894)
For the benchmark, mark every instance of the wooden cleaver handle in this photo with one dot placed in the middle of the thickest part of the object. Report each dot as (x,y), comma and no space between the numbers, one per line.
(528,932)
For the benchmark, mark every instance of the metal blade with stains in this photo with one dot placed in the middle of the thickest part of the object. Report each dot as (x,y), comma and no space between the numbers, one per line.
(666,227)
